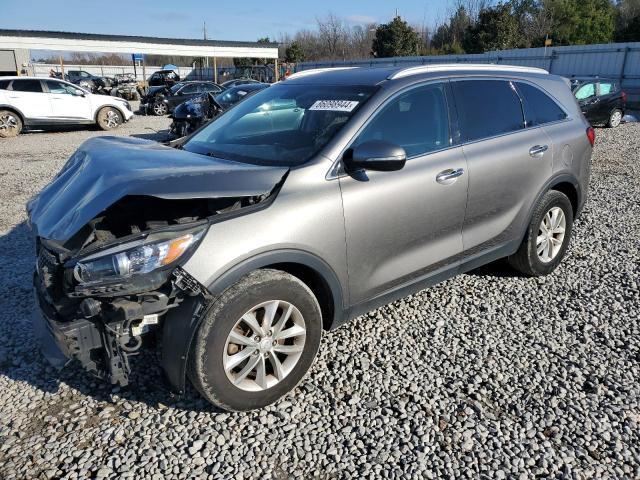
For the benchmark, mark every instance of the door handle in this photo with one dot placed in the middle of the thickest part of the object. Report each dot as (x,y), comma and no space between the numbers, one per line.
(538,150)
(447,177)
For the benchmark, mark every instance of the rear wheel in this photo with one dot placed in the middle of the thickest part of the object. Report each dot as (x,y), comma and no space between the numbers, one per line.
(109,118)
(615,118)
(547,237)
(256,342)
(10,124)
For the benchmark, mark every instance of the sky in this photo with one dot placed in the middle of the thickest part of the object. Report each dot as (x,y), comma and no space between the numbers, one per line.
(245,20)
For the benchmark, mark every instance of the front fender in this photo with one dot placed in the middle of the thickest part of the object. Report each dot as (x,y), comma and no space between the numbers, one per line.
(181,323)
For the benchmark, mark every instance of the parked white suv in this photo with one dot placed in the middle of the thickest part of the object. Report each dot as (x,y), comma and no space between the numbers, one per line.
(32,101)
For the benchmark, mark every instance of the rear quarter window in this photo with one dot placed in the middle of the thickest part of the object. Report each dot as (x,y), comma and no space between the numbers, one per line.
(539,108)
(487,108)
(4,84)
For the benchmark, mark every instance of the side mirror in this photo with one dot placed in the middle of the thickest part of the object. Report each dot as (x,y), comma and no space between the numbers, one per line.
(375,155)
(78,93)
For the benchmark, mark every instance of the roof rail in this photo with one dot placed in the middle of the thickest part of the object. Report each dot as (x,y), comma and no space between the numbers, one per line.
(446,67)
(313,71)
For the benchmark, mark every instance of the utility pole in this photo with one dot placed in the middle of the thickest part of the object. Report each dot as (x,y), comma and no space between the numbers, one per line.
(204,34)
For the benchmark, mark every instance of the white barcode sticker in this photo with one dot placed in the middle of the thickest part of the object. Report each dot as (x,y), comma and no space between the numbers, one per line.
(334,105)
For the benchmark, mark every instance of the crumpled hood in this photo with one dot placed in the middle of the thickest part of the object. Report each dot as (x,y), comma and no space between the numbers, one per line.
(106,169)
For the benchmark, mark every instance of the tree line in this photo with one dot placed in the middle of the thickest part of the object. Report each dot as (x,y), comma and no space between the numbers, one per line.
(473,26)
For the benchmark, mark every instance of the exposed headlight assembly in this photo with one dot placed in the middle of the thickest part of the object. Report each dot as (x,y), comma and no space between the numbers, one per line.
(130,260)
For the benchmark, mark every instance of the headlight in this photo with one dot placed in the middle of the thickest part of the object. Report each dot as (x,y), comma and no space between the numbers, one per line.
(135,260)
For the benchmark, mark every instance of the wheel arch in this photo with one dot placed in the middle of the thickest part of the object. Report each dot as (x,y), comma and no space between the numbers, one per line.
(16,111)
(180,324)
(311,269)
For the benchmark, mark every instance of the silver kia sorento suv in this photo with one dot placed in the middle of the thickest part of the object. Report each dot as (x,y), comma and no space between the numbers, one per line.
(312,202)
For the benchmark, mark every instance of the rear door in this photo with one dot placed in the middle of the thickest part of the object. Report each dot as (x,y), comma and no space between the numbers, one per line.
(508,163)
(27,95)
(64,104)
(405,225)
(608,93)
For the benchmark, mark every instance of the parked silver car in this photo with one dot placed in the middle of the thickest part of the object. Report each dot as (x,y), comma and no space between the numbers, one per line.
(310,203)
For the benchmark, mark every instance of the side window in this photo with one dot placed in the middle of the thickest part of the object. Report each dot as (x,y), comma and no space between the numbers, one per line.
(487,108)
(4,84)
(586,91)
(417,120)
(27,86)
(606,88)
(538,107)
(188,89)
(210,87)
(59,87)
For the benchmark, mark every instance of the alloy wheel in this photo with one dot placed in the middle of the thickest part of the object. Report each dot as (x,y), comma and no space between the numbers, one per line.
(264,345)
(616,118)
(112,119)
(9,124)
(551,234)
(160,109)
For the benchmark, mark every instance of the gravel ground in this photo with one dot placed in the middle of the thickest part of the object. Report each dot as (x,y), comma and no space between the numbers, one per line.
(488,375)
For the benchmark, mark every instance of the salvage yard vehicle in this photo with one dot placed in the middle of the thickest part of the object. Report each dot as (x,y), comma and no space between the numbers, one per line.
(88,81)
(601,100)
(161,101)
(191,115)
(308,204)
(125,86)
(165,78)
(238,81)
(43,102)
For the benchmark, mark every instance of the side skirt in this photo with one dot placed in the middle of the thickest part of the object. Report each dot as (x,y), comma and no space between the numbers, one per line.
(431,279)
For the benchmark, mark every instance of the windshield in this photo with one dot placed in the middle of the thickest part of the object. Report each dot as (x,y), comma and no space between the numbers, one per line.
(284,125)
(176,87)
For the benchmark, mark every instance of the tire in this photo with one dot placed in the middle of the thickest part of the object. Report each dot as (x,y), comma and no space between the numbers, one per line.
(10,124)
(615,118)
(109,118)
(528,259)
(213,348)
(160,109)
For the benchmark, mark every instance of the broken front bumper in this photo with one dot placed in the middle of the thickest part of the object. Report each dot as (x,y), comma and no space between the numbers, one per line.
(84,340)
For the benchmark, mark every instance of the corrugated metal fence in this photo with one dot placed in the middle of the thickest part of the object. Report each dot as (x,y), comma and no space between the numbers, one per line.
(42,70)
(616,60)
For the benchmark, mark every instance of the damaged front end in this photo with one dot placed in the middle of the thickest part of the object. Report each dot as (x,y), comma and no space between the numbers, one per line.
(108,267)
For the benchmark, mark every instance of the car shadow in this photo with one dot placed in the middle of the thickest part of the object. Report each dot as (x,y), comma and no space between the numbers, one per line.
(20,357)
(58,129)
(155,135)
(497,269)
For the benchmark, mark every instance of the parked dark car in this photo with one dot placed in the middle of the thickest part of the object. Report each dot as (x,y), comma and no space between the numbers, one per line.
(88,81)
(238,81)
(163,78)
(191,115)
(162,100)
(601,100)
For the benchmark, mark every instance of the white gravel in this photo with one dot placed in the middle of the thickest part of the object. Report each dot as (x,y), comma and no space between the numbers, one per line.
(489,375)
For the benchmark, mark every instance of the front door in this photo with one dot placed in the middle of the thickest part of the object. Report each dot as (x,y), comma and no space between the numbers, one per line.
(64,104)
(404,225)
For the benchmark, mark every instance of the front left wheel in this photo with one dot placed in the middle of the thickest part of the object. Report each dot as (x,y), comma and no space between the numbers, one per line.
(256,342)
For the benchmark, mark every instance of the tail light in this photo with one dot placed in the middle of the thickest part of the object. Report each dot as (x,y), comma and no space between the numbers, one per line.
(591,135)
(623,94)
